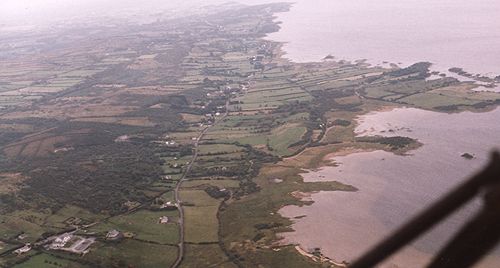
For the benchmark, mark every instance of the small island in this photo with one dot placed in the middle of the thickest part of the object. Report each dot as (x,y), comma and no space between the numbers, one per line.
(468,156)
(329,57)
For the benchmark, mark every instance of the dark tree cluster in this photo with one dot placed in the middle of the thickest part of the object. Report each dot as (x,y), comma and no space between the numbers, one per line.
(100,178)
(394,143)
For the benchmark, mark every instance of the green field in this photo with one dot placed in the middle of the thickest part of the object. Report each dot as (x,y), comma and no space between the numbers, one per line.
(144,225)
(58,219)
(222,157)
(431,100)
(450,96)
(48,261)
(6,247)
(205,256)
(214,182)
(201,223)
(131,253)
(282,138)
(207,149)
(266,96)
(24,222)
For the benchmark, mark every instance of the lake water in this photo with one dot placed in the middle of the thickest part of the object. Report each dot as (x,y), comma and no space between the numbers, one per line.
(449,33)
(392,188)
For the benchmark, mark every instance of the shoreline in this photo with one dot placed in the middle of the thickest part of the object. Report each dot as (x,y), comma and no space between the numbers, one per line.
(272,197)
(320,258)
(341,50)
(340,153)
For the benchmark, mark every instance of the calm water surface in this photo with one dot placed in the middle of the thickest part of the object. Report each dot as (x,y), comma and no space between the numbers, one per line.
(446,32)
(391,187)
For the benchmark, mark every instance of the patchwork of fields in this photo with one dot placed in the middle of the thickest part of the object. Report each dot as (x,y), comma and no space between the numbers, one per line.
(178,142)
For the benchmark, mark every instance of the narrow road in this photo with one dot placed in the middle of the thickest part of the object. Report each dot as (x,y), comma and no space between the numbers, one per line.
(180,255)
(184,178)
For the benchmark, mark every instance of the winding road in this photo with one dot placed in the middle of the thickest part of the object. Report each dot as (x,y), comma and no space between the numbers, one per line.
(184,178)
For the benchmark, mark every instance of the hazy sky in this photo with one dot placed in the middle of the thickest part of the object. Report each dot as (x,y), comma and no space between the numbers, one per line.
(38,12)
(43,11)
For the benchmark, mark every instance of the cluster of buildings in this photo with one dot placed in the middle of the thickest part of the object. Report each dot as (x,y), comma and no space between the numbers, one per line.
(170,143)
(167,141)
(168,206)
(61,241)
(262,51)
(113,235)
(66,242)
(71,243)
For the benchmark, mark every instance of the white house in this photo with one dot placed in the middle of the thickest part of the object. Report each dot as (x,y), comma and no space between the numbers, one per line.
(113,234)
(24,249)
(61,240)
(163,219)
